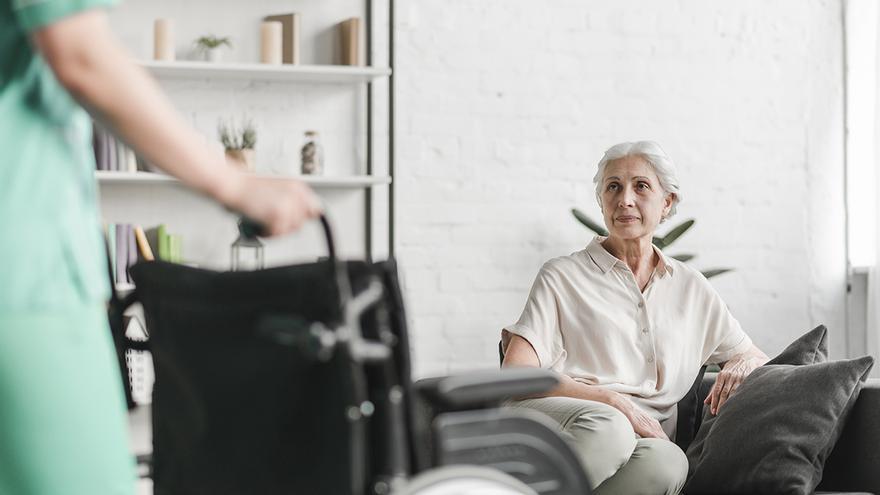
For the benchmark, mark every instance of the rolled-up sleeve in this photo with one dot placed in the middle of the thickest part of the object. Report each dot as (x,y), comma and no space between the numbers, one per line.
(539,321)
(724,336)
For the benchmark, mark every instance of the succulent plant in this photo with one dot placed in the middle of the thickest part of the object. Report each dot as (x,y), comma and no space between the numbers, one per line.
(238,138)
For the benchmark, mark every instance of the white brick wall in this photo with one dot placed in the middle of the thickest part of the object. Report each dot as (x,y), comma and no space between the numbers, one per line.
(505,106)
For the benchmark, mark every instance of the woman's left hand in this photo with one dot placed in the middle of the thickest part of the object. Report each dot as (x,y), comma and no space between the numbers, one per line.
(732,375)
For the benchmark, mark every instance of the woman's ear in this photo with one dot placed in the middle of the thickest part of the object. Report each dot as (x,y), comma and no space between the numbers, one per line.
(670,199)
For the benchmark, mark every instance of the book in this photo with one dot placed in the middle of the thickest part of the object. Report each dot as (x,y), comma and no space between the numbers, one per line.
(111,247)
(289,36)
(121,254)
(164,252)
(132,251)
(350,41)
(144,248)
(102,149)
(121,155)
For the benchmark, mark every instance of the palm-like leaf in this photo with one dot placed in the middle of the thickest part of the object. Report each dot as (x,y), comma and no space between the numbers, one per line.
(715,272)
(684,258)
(674,234)
(588,222)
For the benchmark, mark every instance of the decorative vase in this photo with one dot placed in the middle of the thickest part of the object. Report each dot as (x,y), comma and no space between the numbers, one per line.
(312,155)
(243,158)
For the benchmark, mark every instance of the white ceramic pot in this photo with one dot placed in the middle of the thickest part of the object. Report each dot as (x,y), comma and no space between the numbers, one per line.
(215,55)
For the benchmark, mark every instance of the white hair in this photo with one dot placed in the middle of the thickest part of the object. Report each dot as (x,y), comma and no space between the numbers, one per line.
(655,156)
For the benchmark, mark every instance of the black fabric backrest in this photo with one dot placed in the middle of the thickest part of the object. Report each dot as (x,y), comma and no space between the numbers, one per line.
(410,437)
(234,411)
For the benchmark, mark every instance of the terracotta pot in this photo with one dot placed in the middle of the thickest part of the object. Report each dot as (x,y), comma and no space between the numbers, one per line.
(244,159)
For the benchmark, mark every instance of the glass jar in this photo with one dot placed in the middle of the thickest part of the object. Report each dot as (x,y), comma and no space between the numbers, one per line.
(247,252)
(312,155)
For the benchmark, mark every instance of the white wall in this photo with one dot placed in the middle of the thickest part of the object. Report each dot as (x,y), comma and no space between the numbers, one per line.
(505,106)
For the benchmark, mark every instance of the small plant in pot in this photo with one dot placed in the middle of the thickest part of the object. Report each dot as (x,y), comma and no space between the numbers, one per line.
(239,143)
(210,47)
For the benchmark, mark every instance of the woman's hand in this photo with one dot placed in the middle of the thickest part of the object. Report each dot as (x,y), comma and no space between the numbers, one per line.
(281,206)
(731,377)
(643,424)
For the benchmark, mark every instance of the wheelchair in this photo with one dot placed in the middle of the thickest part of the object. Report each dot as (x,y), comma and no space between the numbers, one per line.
(297,380)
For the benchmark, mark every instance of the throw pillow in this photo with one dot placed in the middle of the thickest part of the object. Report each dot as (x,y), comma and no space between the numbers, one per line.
(774,434)
(810,348)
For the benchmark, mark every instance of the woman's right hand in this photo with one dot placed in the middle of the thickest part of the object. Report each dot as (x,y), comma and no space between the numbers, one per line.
(280,205)
(643,424)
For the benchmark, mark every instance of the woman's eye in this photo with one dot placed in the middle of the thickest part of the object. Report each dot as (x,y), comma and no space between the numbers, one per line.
(612,187)
(644,185)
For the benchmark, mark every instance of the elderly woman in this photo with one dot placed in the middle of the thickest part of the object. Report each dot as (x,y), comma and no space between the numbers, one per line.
(627,329)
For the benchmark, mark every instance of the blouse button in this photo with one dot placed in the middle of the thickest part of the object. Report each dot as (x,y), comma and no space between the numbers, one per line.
(641,304)
(650,359)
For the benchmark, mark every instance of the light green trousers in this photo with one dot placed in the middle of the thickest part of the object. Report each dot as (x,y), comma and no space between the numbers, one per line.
(63,428)
(616,461)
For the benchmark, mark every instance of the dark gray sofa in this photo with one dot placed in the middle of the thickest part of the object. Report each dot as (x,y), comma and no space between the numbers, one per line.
(854,464)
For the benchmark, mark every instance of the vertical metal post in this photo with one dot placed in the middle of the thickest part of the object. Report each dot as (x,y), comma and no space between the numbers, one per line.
(391,128)
(368,191)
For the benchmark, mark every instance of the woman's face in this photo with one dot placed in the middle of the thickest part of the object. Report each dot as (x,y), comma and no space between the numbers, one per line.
(633,203)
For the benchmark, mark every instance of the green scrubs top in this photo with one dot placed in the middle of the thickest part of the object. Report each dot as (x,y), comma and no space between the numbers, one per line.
(62,414)
(51,248)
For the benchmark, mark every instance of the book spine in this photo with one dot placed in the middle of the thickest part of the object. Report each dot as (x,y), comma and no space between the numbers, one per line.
(121,254)
(144,246)
(163,243)
(132,251)
(111,244)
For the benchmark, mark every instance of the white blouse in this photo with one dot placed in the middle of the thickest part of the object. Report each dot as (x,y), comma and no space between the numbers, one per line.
(587,318)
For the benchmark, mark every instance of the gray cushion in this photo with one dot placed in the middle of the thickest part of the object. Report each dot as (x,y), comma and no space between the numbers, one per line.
(811,348)
(774,434)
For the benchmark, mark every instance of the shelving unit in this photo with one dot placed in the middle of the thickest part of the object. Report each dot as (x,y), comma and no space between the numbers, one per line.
(157,192)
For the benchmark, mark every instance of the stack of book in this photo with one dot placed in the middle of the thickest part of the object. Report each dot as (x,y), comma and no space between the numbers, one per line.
(130,243)
(112,154)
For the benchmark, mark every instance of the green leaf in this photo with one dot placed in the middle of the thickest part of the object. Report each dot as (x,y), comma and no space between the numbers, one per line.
(684,258)
(714,272)
(588,222)
(675,233)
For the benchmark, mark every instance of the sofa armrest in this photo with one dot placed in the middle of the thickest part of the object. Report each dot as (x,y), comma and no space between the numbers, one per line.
(481,388)
(855,460)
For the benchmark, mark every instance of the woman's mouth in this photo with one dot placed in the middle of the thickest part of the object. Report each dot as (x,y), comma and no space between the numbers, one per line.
(627,219)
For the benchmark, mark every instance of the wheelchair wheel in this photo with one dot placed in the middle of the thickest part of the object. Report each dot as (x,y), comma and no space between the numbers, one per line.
(464,480)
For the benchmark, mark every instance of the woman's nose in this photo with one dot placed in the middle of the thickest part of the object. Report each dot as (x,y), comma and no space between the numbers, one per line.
(627,197)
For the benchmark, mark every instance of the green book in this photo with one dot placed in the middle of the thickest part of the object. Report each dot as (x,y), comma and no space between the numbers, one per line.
(164,248)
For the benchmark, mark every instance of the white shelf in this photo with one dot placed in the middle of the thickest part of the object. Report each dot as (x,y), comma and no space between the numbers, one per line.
(339,74)
(341,182)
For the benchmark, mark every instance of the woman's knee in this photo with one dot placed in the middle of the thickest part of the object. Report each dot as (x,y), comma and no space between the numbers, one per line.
(663,466)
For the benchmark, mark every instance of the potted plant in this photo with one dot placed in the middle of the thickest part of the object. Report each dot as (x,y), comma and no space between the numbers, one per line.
(209,46)
(239,143)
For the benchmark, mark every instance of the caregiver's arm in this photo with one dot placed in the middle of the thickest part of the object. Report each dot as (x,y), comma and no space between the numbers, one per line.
(93,66)
(520,353)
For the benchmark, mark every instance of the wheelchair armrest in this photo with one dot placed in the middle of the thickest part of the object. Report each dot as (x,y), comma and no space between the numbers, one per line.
(481,388)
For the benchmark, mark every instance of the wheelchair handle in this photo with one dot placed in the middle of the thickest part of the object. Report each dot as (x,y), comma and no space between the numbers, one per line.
(251,229)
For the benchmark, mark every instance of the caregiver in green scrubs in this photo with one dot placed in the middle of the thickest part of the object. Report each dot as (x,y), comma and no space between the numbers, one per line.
(63,425)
